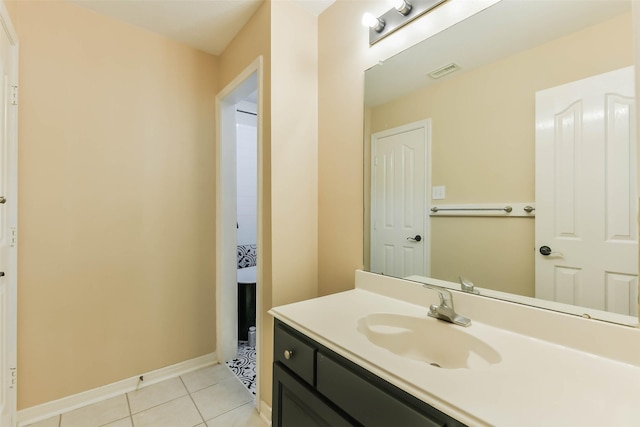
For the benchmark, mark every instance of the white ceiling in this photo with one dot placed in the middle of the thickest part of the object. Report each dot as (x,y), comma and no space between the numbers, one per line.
(207,25)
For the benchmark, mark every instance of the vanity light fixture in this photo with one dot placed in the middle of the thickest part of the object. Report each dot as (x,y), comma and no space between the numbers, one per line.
(402,12)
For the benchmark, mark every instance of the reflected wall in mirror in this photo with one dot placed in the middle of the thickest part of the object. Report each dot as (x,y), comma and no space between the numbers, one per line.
(518,86)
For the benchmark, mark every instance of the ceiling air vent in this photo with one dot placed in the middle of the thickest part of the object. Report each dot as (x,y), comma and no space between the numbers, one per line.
(443,71)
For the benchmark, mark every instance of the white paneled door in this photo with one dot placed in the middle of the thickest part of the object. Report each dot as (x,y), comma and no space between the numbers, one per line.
(586,193)
(8,220)
(399,175)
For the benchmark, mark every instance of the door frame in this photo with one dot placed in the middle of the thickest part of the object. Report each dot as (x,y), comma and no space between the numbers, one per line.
(250,79)
(9,318)
(420,124)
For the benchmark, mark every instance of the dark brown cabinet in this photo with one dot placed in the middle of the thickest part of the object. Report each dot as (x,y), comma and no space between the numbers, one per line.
(314,386)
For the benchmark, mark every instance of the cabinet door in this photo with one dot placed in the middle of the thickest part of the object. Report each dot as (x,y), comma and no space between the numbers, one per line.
(367,401)
(296,405)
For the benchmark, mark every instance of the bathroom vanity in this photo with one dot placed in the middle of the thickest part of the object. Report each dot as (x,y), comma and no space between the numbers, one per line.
(372,356)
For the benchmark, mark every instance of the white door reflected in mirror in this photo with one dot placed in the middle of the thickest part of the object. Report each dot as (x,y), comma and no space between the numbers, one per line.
(398,199)
(586,193)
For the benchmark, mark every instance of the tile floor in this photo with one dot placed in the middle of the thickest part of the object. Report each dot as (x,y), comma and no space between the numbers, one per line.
(209,397)
(244,366)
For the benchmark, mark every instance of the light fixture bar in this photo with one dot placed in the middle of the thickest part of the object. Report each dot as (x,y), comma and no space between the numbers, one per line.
(393,19)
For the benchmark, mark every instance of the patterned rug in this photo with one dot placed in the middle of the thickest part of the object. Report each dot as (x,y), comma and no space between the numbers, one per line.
(244,366)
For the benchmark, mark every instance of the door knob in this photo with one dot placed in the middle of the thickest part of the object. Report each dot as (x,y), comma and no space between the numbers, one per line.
(3,200)
(545,250)
(415,239)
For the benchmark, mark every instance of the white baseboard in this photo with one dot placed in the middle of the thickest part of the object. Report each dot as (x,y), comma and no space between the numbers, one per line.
(55,407)
(265,412)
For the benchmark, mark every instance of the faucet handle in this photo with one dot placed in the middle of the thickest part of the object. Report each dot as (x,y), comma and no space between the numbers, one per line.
(461,320)
(467,286)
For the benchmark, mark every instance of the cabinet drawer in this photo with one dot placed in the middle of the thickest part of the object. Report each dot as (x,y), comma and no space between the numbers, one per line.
(370,405)
(292,351)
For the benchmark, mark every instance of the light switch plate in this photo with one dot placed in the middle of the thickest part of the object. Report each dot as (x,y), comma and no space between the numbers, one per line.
(438,192)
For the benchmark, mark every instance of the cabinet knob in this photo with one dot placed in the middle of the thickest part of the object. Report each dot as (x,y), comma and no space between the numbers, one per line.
(288,354)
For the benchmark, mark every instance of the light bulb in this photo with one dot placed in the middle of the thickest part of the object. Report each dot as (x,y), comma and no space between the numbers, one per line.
(402,6)
(368,20)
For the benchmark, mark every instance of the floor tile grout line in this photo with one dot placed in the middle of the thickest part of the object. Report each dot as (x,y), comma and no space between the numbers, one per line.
(227,411)
(126,395)
(194,402)
(119,419)
(131,413)
(129,405)
(210,385)
(159,404)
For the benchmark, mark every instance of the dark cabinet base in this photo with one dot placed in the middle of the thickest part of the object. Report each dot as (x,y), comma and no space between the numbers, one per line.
(314,386)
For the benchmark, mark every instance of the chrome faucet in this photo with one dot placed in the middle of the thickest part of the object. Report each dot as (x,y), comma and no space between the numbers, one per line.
(445,310)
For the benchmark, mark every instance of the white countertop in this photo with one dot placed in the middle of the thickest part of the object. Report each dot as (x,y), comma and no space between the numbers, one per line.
(537,383)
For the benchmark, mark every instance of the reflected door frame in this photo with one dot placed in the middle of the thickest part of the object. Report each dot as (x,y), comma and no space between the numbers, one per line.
(405,252)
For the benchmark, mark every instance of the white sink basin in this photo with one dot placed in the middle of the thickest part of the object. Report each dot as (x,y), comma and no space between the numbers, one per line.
(426,339)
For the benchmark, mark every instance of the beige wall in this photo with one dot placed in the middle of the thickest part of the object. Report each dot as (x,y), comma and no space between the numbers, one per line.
(495,253)
(490,158)
(116,169)
(294,171)
(294,153)
(340,168)
(286,37)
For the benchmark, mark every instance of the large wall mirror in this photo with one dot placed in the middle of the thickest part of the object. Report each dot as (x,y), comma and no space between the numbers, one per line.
(503,150)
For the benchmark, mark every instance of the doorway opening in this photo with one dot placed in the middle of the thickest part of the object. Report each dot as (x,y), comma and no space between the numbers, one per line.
(238,237)
(244,364)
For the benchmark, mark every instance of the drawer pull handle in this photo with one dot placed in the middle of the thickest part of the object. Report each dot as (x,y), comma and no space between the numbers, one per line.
(288,354)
